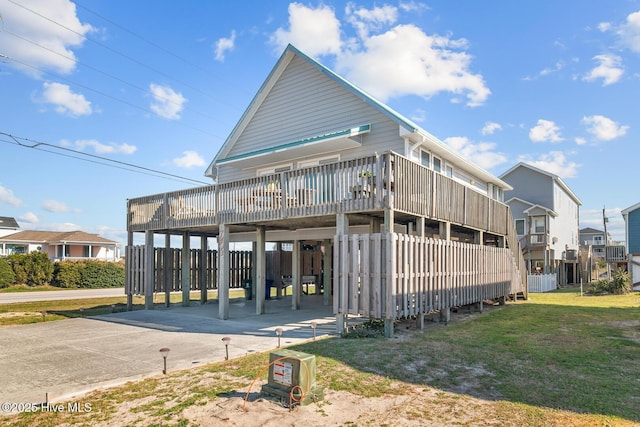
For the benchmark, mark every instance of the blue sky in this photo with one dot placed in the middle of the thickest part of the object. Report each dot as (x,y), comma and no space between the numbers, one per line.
(161,84)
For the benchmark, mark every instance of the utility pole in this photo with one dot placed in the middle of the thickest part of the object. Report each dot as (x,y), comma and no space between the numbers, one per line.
(606,242)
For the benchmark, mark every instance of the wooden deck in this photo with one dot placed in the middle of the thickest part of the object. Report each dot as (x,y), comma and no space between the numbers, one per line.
(366,185)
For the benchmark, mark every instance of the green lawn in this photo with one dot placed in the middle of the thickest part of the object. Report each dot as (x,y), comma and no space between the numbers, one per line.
(557,359)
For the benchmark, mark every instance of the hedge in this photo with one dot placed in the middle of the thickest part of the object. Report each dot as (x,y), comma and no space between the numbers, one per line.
(35,269)
(88,274)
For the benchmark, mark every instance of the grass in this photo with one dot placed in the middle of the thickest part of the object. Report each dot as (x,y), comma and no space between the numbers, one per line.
(557,359)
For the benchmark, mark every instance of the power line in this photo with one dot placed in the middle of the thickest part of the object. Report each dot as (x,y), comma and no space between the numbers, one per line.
(106,95)
(95,69)
(104,46)
(34,144)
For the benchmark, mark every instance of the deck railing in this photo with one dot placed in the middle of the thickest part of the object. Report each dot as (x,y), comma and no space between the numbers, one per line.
(366,184)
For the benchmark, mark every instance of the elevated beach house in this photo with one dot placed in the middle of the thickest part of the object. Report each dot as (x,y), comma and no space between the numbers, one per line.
(404,225)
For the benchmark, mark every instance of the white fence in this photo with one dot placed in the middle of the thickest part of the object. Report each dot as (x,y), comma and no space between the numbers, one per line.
(542,282)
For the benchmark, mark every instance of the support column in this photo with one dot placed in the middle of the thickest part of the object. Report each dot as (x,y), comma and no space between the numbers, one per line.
(389,220)
(295,276)
(479,238)
(326,277)
(420,232)
(261,270)
(445,231)
(128,286)
(202,277)
(186,268)
(339,278)
(167,269)
(223,272)
(149,265)
(420,226)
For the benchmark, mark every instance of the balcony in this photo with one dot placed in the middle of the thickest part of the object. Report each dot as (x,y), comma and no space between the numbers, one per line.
(615,254)
(365,185)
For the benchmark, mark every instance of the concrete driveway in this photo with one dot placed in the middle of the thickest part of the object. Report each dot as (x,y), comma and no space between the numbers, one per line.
(69,357)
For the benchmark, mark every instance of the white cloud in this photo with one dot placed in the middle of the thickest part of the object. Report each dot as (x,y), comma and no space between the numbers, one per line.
(7,196)
(99,148)
(30,218)
(603,128)
(604,26)
(580,140)
(392,62)
(406,61)
(609,70)
(24,21)
(545,131)
(55,206)
(481,154)
(367,20)
(412,6)
(64,100)
(189,159)
(555,162)
(166,103)
(629,32)
(490,128)
(314,31)
(223,45)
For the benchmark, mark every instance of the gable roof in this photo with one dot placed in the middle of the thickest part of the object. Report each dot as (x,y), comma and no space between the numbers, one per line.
(8,222)
(631,208)
(407,127)
(554,177)
(57,237)
(589,230)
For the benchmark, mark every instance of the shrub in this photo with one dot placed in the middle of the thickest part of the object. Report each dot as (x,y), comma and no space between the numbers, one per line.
(7,276)
(66,274)
(621,283)
(89,274)
(33,269)
(16,261)
(102,274)
(599,287)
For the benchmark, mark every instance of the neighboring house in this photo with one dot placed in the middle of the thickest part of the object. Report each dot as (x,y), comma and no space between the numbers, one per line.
(546,214)
(631,216)
(596,239)
(60,245)
(314,161)
(8,225)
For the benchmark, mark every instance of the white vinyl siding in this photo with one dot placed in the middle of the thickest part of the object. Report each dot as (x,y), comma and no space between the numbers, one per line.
(313,104)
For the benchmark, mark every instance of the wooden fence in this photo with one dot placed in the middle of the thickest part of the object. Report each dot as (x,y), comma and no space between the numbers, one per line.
(395,275)
(168,269)
(542,282)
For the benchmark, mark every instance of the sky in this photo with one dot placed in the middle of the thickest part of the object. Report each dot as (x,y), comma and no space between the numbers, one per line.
(102,101)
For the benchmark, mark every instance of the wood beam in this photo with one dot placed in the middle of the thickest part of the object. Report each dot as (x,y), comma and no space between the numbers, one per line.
(223,272)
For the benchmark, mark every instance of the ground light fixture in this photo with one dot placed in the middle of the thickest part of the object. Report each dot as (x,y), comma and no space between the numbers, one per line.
(279,334)
(313,326)
(165,352)
(226,340)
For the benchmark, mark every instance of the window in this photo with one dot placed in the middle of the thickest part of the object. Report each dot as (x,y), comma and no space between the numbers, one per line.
(520,227)
(425,159)
(538,225)
(437,164)
(448,170)
(85,251)
(274,169)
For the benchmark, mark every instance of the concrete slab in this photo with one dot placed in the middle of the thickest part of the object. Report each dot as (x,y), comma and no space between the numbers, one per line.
(70,357)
